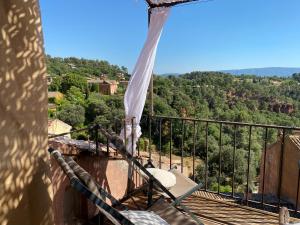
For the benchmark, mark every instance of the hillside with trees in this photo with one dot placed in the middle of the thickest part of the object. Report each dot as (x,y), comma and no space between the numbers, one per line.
(205,95)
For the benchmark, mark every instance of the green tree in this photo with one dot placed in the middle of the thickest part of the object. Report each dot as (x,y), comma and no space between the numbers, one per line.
(73,115)
(296,76)
(75,95)
(55,84)
(75,80)
(96,107)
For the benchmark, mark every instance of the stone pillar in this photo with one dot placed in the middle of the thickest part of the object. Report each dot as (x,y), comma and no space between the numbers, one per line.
(25,187)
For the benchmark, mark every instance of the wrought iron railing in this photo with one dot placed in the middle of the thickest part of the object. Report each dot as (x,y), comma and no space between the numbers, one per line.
(198,133)
(265,131)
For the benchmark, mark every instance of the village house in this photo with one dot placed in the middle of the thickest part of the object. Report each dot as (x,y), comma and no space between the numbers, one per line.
(103,76)
(54,96)
(56,126)
(106,87)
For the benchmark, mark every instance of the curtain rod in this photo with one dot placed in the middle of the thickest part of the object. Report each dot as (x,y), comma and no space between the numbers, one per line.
(168,4)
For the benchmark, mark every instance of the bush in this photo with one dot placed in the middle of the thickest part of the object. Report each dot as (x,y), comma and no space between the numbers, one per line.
(143,144)
(75,80)
(223,188)
(73,115)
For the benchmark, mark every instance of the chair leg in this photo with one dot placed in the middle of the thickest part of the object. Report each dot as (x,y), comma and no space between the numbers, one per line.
(150,193)
(101,220)
(98,219)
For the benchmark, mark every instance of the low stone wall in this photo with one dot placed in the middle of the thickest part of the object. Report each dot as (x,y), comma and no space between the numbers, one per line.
(111,172)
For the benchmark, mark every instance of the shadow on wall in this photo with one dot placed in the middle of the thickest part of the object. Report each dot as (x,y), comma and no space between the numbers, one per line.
(24,176)
(38,209)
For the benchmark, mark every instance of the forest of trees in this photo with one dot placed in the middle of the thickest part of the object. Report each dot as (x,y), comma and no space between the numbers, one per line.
(205,95)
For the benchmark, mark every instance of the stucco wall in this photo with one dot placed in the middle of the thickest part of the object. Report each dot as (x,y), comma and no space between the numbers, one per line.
(25,188)
(109,172)
(271,169)
(113,89)
(289,171)
(108,89)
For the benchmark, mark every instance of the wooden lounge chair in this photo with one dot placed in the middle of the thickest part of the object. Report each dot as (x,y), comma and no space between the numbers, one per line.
(160,212)
(184,186)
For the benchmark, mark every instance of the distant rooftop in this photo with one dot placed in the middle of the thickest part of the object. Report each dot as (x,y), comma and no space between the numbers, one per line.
(54,94)
(101,81)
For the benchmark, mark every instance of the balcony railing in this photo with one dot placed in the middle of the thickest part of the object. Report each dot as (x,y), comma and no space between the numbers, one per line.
(200,129)
(195,139)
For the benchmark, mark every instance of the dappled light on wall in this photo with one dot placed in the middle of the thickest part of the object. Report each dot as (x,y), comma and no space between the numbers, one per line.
(25,191)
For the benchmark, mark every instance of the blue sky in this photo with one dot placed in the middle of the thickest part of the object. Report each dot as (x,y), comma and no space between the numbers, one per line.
(213,35)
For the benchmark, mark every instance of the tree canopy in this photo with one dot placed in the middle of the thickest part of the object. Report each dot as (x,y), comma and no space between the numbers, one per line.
(205,95)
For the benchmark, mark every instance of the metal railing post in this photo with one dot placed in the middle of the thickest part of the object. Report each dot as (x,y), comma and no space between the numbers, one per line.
(150,130)
(107,144)
(132,135)
(233,160)
(194,149)
(264,167)
(96,139)
(220,159)
(281,167)
(125,134)
(248,167)
(182,143)
(298,184)
(171,134)
(206,156)
(160,120)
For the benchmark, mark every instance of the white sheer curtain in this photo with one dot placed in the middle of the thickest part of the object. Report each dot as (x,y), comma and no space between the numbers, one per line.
(136,92)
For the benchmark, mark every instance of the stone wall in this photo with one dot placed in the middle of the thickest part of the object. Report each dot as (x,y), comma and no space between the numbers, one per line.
(110,172)
(271,169)
(289,170)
